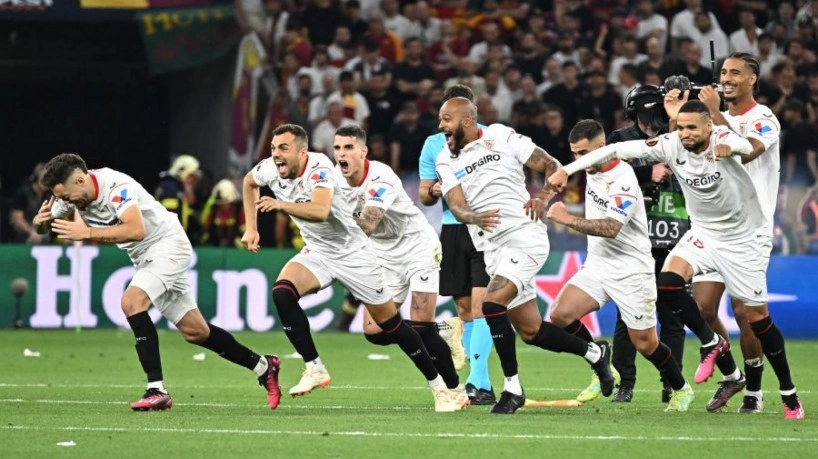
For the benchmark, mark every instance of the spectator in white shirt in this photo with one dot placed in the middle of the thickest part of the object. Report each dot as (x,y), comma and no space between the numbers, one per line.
(630,55)
(683,23)
(745,39)
(650,24)
(395,22)
(491,32)
(707,30)
(323,136)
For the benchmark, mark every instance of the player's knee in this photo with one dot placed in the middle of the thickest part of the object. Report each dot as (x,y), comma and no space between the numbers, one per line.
(285,294)
(560,317)
(380,339)
(528,332)
(132,304)
(669,284)
(644,342)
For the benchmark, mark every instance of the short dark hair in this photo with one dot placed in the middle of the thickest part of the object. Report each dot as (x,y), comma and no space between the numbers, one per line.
(294,129)
(458,90)
(60,167)
(695,106)
(586,129)
(352,130)
(750,60)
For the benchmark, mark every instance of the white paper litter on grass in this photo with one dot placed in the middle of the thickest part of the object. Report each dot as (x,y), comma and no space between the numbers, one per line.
(67,443)
(29,353)
(200,356)
(294,355)
(378,357)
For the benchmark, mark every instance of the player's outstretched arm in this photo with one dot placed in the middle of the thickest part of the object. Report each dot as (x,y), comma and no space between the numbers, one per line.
(130,229)
(602,227)
(249,198)
(370,218)
(456,200)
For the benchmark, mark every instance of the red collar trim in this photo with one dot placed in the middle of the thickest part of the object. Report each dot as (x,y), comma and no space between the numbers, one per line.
(96,185)
(366,172)
(479,133)
(304,169)
(752,106)
(613,164)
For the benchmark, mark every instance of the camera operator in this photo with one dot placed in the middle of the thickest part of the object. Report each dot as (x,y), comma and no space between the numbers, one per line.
(667,222)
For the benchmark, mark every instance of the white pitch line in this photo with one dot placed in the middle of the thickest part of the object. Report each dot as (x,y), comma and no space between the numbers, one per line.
(414,434)
(334,386)
(224,405)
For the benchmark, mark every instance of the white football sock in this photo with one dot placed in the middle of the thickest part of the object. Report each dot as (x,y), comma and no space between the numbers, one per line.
(512,384)
(316,365)
(261,367)
(159,385)
(594,353)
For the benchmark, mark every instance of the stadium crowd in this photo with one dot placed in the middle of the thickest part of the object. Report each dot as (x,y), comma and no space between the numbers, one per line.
(537,66)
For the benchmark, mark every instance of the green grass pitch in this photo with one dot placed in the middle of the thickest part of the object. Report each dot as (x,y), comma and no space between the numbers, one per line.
(79,388)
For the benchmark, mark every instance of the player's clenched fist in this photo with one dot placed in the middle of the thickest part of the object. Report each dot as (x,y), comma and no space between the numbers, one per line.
(250,240)
(268,204)
(558,213)
(558,180)
(723,151)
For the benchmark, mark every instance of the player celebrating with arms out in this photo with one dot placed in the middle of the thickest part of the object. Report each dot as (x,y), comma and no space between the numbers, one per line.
(725,213)
(405,243)
(484,184)
(111,207)
(619,266)
(758,124)
(335,249)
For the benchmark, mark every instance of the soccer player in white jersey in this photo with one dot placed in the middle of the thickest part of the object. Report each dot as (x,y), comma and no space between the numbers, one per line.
(725,212)
(758,124)
(483,181)
(619,266)
(335,249)
(110,207)
(405,243)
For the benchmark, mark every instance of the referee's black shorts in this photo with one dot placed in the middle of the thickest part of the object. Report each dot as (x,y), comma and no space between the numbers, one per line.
(462,267)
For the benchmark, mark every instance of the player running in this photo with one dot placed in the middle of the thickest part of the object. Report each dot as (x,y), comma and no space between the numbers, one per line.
(482,178)
(110,207)
(405,243)
(758,124)
(619,266)
(335,249)
(725,212)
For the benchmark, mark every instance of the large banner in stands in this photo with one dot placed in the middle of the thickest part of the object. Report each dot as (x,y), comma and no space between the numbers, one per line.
(179,38)
(70,286)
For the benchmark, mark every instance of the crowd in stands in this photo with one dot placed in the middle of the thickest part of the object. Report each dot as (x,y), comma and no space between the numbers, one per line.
(538,66)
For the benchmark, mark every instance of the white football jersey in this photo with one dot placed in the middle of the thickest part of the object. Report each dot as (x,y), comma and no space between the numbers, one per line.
(339,231)
(117,192)
(402,224)
(615,193)
(490,171)
(719,195)
(759,123)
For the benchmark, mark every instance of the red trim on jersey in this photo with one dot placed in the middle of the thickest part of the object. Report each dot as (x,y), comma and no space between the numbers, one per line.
(366,172)
(614,164)
(752,106)
(96,185)
(479,133)
(304,169)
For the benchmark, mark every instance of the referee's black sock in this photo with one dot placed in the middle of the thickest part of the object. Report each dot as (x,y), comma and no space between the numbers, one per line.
(553,338)
(579,330)
(147,345)
(772,343)
(223,343)
(438,350)
(671,293)
(293,319)
(503,336)
(411,344)
(663,360)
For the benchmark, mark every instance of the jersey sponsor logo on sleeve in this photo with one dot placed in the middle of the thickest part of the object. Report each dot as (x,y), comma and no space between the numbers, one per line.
(376,195)
(651,142)
(319,176)
(722,135)
(121,198)
(622,203)
(762,128)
